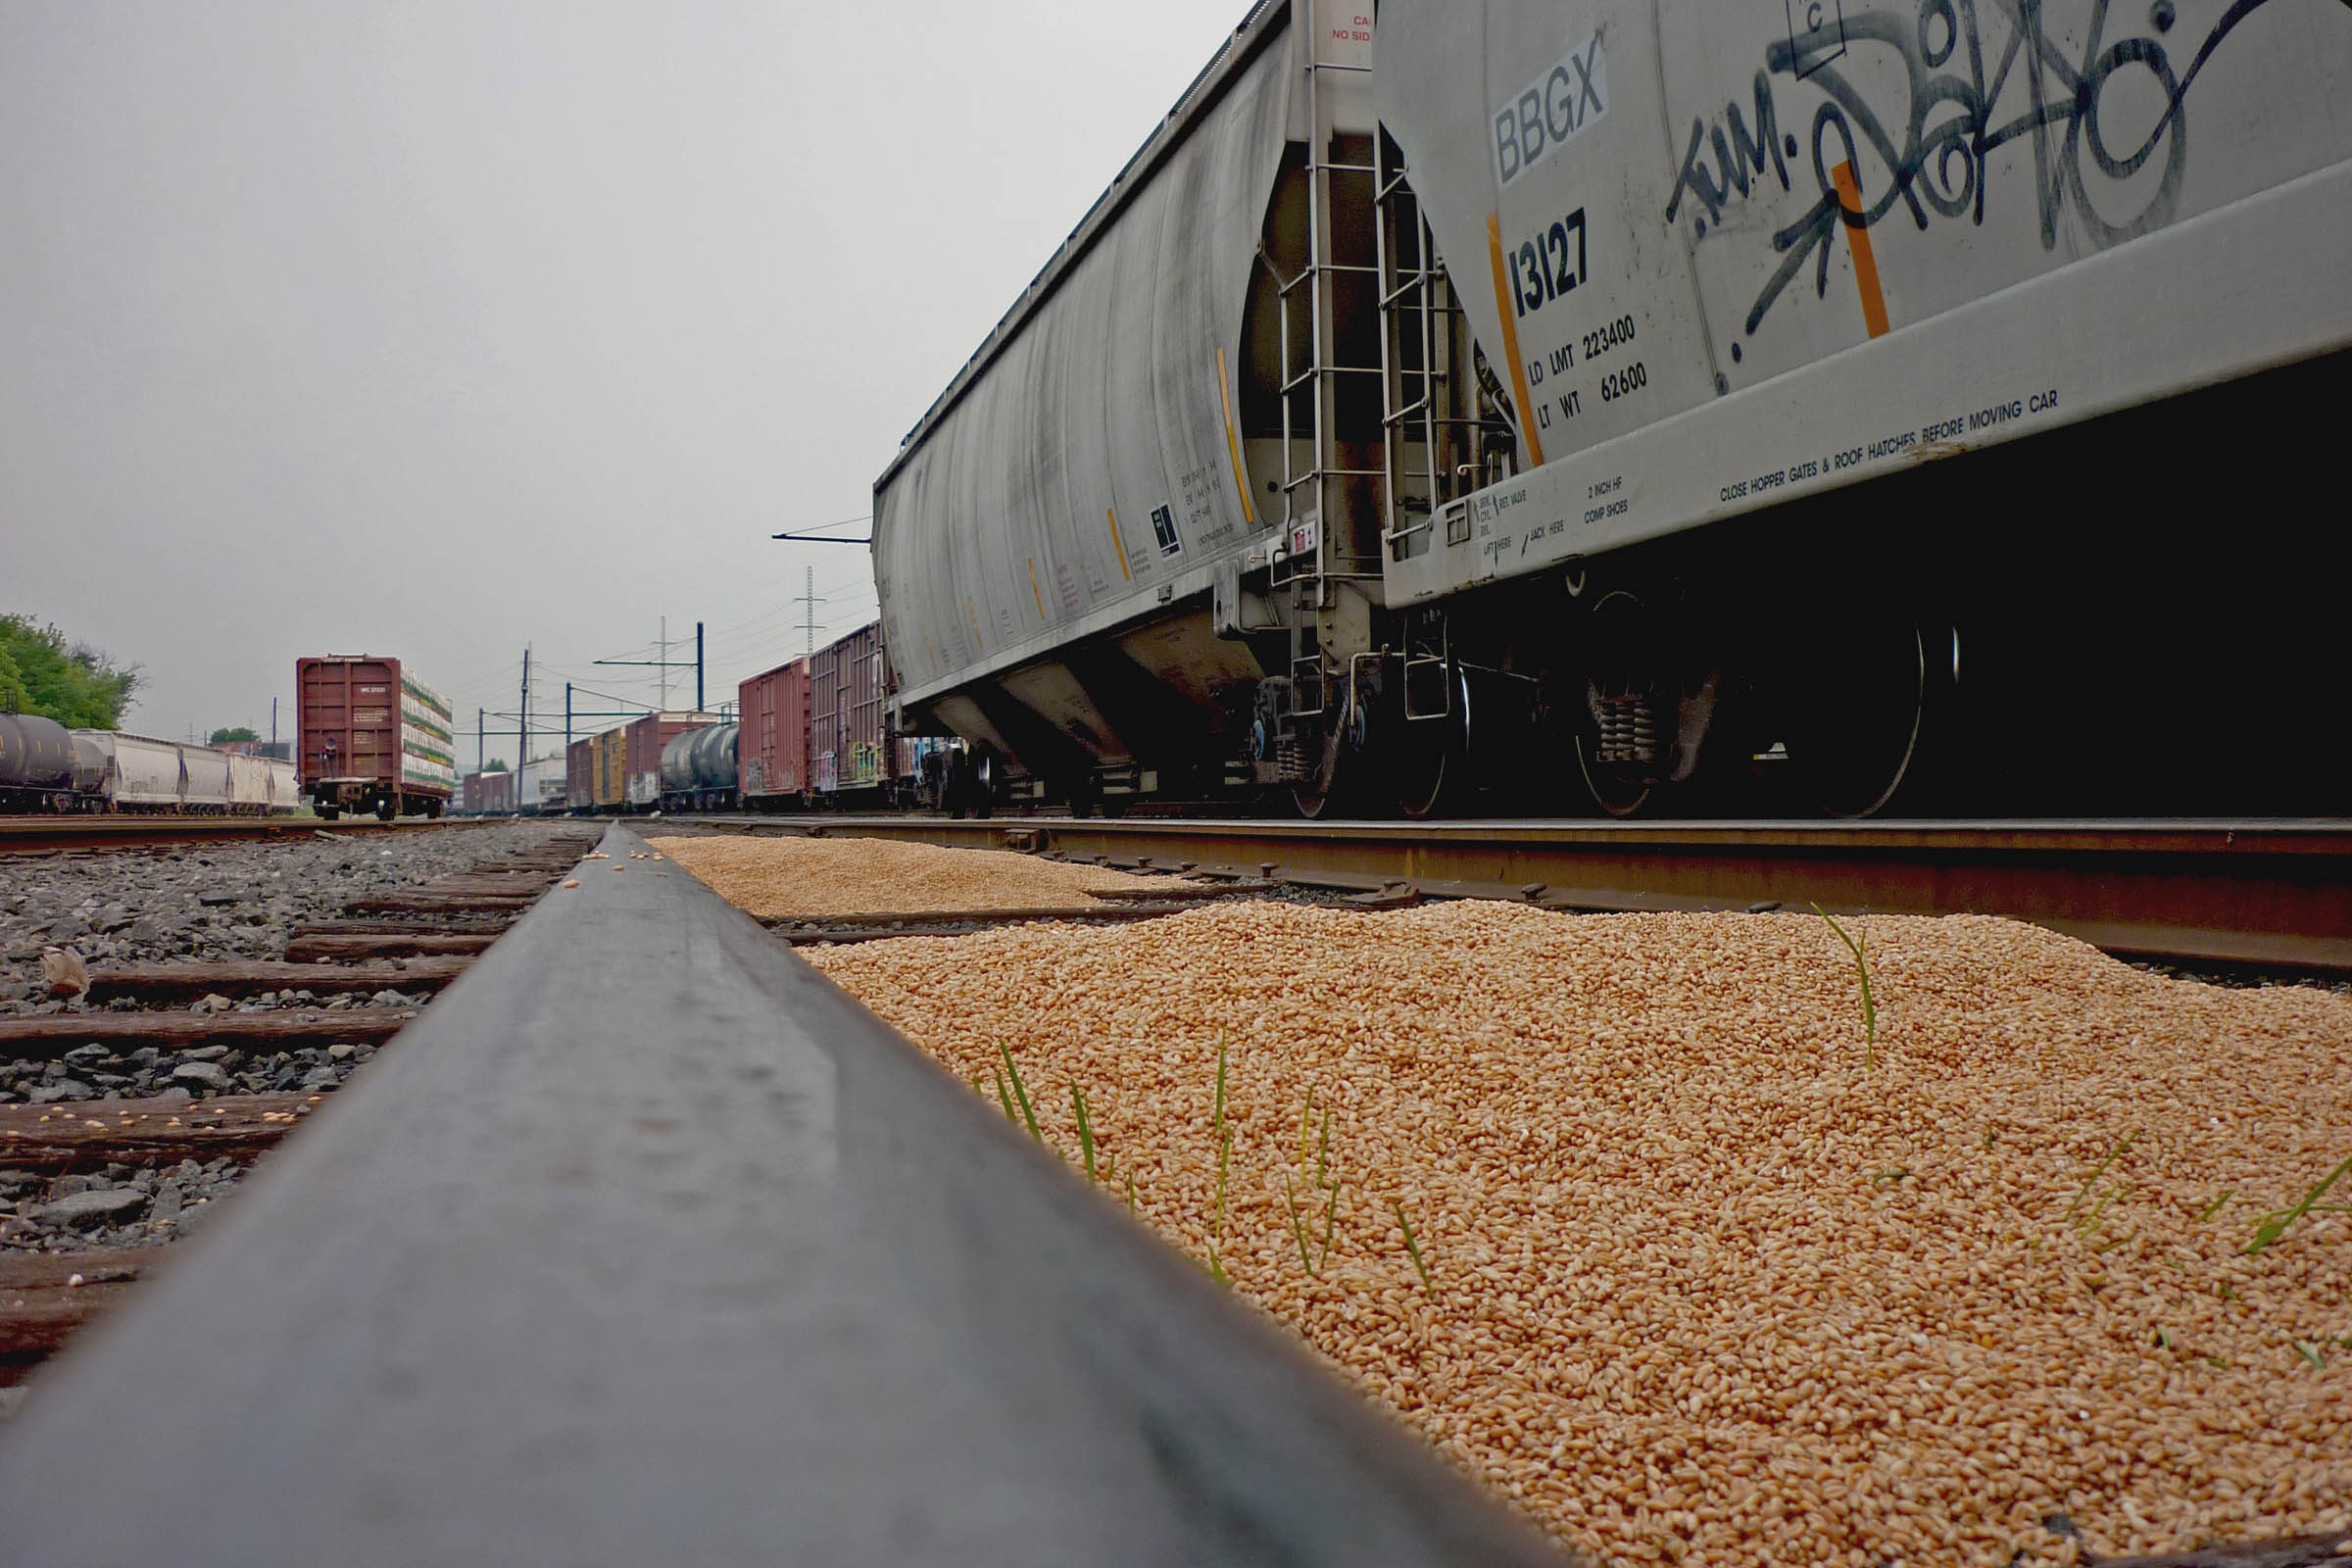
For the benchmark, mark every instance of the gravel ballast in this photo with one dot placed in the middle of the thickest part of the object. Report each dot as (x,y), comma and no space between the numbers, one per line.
(775,878)
(211,902)
(1702,1286)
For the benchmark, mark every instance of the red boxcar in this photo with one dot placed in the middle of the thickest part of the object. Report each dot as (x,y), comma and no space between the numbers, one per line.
(643,753)
(372,737)
(772,753)
(579,777)
(487,794)
(847,750)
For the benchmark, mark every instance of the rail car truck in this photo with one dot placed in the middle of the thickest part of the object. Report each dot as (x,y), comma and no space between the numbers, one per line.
(1601,403)
(374,738)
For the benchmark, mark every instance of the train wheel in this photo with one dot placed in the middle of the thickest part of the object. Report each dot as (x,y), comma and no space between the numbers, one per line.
(386,810)
(1430,759)
(1858,715)
(1620,731)
(1334,792)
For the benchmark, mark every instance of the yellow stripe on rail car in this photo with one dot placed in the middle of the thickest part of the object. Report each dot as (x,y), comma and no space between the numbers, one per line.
(1118,544)
(1233,444)
(1511,341)
(1866,260)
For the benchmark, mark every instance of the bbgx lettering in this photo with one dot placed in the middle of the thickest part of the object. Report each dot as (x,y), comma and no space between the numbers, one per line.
(1552,112)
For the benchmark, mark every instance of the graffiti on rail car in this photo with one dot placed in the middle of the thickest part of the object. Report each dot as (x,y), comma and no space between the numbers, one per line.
(1976,75)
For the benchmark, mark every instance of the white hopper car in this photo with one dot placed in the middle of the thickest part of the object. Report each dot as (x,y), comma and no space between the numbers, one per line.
(1595,405)
(119,773)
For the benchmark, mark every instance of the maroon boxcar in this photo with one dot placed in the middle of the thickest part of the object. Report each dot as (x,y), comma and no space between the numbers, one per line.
(487,794)
(847,748)
(772,753)
(642,754)
(579,777)
(372,738)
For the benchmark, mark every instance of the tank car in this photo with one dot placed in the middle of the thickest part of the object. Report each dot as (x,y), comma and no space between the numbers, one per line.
(1613,404)
(699,770)
(36,763)
(645,742)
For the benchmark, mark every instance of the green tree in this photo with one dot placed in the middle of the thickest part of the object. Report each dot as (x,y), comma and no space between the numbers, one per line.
(224,737)
(74,683)
(496,765)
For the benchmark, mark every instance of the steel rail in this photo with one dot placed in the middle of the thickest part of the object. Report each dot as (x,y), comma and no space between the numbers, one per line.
(647,1245)
(68,831)
(2275,894)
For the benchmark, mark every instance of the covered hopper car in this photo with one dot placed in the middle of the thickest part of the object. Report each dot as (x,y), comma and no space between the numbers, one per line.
(45,767)
(1598,404)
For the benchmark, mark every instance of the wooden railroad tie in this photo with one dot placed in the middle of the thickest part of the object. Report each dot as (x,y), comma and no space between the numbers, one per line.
(92,1133)
(49,1036)
(161,982)
(352,948)
(47,1298)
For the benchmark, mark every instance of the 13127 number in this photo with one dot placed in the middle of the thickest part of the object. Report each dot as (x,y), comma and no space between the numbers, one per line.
(1548,266)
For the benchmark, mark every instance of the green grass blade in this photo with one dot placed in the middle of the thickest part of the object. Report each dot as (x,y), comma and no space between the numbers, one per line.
(1003,1099)
(1086,1131)
(2214,1207)
(1323,1146)
(2093,1180)
(1290,1198)
(1224,1135)
(2276,1225)
(1020,1092)
(1306,1114)
(1414,1248)
(1331,1215)
(1131,1192)
(1224,1158)
(1217,1118)
(1870,1010)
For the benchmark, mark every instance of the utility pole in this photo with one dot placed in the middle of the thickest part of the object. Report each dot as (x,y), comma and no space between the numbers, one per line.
(522,721)
(478,731)
(698,669)
(662,660)
(568,723)
(274,727)
(810,600)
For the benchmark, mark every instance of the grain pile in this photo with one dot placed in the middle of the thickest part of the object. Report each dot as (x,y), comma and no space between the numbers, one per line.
(1702,1288)
(779,877)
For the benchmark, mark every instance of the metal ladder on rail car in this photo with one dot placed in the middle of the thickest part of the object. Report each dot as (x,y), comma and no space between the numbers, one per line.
(1311,564)
(1422,332)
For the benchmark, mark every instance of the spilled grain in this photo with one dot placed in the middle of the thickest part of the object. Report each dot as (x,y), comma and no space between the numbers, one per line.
(1704,1287)
(779,877)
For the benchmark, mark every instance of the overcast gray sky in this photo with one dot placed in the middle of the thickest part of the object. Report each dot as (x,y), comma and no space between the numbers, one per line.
(434,329)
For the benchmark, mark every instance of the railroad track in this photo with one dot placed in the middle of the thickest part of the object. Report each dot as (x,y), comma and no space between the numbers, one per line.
(34,834)
(648,1244)
(159,1127)
(2267,893)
